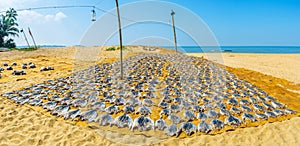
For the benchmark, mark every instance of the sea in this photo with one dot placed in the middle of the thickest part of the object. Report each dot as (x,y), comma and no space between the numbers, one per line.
(44,46)
(218,49)
(239,49)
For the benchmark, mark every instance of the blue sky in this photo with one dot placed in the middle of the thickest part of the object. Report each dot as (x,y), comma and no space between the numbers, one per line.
(233,22)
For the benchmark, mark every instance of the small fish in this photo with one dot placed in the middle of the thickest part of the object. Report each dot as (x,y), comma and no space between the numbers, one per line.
(217,124)
(144,111)
(22,100)
(244,102)
(277,104)
(202,116)
(92,98)
(246,108)
(49,105)
(60,110)
(98,106)
(178,100)
(204,127)
(128,109)
(147,102)
(189,115)
(79,103)
(233,121)
(123,121)
(167,99)
(224,112)
(89,115)
(66,101)
(261,116)
(232,101)
(172,130)
(253,100)
(72,114)
(143,124)
(160,124)
(134,102)
(270,98)
(289,111)
(188,128)
(245,116)
(112,109)
(35,102)
(106,120)
(270,114)
(212,114)
(163,105)
(258,107)
(279,112)
(268,106)
(119,101)
(175,108)
(175,119)
(165,112)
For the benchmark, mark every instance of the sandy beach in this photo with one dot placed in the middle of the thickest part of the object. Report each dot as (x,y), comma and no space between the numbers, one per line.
(278,74)
(285,66)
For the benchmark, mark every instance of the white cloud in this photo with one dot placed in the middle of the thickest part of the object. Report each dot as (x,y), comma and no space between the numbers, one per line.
(33,17)
(29,16)
(59,16)
(5,4)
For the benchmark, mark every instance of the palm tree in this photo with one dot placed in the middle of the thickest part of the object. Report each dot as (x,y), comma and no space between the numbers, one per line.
(12,14)
(8,27)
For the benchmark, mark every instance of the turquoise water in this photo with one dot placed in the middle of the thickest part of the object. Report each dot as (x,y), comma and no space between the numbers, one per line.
(234,49)
(240,49)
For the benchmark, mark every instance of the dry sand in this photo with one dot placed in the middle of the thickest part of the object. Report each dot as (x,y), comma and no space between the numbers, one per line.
(286,66)
(24,125)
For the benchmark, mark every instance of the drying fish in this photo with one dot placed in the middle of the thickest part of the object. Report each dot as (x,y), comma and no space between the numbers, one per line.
(123,121)
(246,116)
(188,128)
(142,123)
(160,124)
(233,121)
(60,110)
(204,127)
(106,120)
(217,124)
(189,115)
(90,115)
(172,130)
(144,111)
(112,109)
(165,112)
(72,114)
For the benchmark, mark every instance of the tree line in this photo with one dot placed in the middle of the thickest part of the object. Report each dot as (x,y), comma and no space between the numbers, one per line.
(8,28)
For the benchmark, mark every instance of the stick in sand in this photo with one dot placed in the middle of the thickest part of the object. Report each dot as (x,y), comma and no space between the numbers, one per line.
(32,37)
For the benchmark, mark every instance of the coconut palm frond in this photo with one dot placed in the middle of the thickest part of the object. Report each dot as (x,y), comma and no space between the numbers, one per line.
(8,27)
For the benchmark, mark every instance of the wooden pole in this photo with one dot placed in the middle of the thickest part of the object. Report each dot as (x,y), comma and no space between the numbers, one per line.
(120,35)
(32,37)
(25,38)
(174,30)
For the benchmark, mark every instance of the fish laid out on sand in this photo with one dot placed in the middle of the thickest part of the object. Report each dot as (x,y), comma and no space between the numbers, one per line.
(24,66)
(185,95)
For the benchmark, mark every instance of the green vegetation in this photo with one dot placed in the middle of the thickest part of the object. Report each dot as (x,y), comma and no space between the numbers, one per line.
(8,28)
(25,49)
(123,48)
(113,48)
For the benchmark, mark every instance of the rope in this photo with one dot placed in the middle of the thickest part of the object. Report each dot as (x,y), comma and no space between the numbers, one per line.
(64,7)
